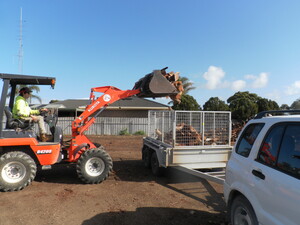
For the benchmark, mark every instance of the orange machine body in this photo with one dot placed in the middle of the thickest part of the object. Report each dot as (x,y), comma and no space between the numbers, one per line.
(46,153)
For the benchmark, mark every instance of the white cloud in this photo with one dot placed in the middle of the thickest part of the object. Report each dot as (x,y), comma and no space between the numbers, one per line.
(293,89)
(259,81)
(215,80)
(250,77)
(238,85)
(214,77)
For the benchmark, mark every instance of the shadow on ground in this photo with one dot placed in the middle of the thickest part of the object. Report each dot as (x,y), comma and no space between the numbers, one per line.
(127,170)
(157,216)
(134,171)
(59,173)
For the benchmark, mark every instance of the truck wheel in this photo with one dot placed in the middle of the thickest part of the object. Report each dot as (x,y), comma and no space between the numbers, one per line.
(146,156)
(242,212)
(17,170)
(156,169)
(94,166)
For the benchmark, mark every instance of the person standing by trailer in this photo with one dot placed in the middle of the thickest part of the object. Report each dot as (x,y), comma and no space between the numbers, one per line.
(22,111)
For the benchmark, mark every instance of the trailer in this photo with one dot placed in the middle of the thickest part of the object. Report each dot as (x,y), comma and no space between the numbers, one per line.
(197,142)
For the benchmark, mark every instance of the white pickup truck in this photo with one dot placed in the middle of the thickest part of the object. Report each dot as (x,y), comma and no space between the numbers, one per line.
(189,141)
(262,184)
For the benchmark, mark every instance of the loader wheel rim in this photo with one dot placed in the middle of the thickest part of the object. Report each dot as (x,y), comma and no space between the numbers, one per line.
(13,172)
(95,167)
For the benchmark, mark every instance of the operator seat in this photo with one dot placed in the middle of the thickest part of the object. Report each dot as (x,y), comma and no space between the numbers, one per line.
(12,123)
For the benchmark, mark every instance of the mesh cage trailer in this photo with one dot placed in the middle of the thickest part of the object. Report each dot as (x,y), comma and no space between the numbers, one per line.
(188,140)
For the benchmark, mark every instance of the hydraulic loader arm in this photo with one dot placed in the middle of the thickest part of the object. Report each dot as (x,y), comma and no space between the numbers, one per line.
(155,84)
(110,95)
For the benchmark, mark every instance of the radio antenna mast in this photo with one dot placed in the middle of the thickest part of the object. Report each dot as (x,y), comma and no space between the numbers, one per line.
(20,55)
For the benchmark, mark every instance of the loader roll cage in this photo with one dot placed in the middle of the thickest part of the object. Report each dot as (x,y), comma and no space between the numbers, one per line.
(11,81)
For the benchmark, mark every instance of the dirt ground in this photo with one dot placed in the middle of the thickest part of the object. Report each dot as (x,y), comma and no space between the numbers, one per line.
(131,195)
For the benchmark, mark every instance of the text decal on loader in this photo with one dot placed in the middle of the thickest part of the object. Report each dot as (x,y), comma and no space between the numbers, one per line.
(45,151)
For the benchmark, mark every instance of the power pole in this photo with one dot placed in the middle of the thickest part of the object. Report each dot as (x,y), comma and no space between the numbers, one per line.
(20,55)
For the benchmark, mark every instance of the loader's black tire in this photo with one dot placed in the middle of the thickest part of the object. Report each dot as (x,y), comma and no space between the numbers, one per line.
(98,145)
(156,169)
(94,166)
(17,170)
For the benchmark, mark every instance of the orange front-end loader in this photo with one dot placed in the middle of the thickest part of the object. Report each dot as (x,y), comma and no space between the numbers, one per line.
(21,150)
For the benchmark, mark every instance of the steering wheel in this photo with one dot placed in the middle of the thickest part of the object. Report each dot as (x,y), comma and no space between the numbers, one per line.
(50,117)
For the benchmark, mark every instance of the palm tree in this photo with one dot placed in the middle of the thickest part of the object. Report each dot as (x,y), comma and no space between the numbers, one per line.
(31,87)
(187,85)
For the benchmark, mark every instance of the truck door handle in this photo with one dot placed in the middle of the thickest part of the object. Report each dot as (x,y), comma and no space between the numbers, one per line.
(258,174)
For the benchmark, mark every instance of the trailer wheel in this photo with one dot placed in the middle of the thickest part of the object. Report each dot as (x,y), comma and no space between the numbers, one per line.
(146,156)
(17,170)
(156,169)
(94,166)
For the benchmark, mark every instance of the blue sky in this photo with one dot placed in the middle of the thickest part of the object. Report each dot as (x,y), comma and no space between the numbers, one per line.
(221,46)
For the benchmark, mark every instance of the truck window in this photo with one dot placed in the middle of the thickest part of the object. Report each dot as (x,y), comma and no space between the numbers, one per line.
(270,146)
(248,138)
(289,154)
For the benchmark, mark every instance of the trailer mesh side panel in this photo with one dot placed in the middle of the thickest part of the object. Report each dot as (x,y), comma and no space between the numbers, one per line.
(160,126)
(190,128)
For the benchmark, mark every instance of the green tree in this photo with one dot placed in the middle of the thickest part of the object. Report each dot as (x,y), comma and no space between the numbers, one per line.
(264,104)
(243,105)
(284,107)
(273,105)
(187,103)
(295,104)
(215,104)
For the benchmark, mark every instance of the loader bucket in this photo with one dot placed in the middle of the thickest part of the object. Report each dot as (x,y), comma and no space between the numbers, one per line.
(155,85)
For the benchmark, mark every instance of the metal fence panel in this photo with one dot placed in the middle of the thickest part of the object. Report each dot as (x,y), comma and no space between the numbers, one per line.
(108,125)
(103,126)
(172,127)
